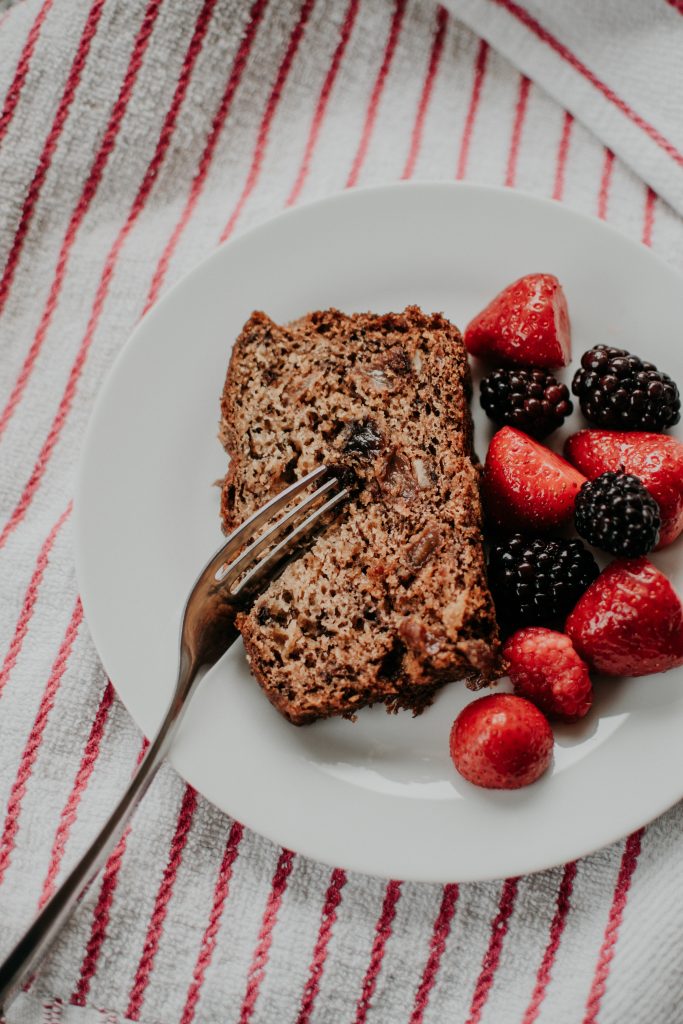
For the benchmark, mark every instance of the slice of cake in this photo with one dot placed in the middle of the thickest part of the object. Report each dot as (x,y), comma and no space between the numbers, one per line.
(391,600)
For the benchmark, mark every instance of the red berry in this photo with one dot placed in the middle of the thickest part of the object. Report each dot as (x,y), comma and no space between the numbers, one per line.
(656,459)
(526,486)
(545,668)
(501,742)
(629,622)
(527,324)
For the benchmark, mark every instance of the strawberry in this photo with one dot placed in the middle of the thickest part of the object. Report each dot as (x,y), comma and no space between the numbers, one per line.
(656,459)
(545,668)
(501,742)
(526,486)
(527,324)
(629,622)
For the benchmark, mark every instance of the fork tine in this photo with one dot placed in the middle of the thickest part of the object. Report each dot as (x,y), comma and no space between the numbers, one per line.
(265,566)
(227,573)
(237,537)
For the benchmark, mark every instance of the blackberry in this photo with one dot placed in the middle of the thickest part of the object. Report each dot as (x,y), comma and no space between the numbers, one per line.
(618,390)
(531,400)
(616,513)
(536,581)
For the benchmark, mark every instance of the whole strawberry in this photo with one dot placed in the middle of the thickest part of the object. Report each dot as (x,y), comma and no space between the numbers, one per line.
(545,668)
(629,622)
(501,741)
(527,324)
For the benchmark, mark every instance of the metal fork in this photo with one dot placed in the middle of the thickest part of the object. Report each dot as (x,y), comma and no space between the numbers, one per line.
(227,584)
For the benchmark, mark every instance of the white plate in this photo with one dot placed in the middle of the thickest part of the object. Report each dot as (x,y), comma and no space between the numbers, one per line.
(380,795)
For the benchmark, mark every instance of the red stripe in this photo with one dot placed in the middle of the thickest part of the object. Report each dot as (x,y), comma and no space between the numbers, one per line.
(210,937)
(649,218)
(88,192)
(268,116)
(30,753)
(156,923)
(70,810)
(329,916)
(323,100)
(102,913)
(518,125)
(30,598)
(45,160)
(220,117)
(562,154)
(557,927)
(383,931)
(22,69)
(605,183)
(376,95)
(479,72)
(432,68)
(101,916)
(546,37)
(440,933)
(144,191)
(259,961)
(53,1011)
(677,5)
(629,862)
(499,927)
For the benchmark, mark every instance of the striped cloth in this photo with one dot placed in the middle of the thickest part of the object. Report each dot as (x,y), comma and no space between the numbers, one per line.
(134,135)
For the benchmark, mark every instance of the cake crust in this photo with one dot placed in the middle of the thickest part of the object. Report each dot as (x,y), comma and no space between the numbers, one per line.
(391,600)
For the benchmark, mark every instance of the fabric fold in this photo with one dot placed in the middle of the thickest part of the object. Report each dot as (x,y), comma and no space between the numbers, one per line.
(617,67)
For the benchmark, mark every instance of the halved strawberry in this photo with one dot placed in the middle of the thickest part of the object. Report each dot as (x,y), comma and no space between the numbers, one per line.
(629,622)
(526,324)
(657,459)
(526,486)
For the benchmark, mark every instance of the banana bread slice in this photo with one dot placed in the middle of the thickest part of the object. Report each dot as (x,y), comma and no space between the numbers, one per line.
(391,600)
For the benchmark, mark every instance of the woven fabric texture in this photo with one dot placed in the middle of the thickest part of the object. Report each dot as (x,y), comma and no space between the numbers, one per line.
(134,135)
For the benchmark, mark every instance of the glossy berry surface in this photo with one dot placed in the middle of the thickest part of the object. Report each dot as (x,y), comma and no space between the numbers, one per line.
(619,390)
(501,741)
(629,622)
(615,512)
(656,459)
(537,581)
(527,324)
(544,667)
(526,486)
(532,400)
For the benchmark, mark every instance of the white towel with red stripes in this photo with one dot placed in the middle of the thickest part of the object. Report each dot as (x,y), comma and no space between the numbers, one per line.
(617,67)
(134,134)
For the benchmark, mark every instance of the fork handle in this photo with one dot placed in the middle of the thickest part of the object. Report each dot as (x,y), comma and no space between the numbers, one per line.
(32,947)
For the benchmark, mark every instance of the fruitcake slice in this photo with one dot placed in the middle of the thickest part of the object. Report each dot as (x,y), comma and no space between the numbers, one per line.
(391,600)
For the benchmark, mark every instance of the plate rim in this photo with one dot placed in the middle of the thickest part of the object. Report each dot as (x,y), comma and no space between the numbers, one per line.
(109,383)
